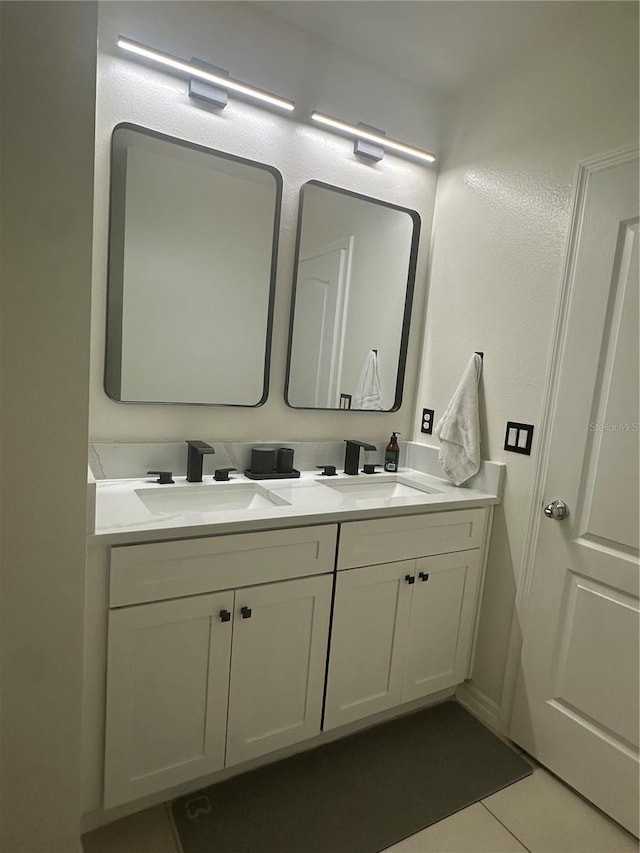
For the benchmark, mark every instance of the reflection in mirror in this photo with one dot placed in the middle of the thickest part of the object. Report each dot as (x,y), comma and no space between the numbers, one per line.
(351,306)
(192,249)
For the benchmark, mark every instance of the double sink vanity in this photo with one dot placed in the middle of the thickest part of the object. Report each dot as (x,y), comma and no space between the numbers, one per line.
(237,619)
(228,621)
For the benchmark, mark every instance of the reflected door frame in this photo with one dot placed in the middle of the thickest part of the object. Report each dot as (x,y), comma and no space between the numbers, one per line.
(333,320)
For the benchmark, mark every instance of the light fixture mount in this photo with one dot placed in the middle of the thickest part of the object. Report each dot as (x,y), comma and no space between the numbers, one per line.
(213,94)
(361,132)
(198,70)
(365,148)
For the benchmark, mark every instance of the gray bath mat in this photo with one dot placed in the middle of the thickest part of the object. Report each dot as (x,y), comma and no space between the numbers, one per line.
(360,794)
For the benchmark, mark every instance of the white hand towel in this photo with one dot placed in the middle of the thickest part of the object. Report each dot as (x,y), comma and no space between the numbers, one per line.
(459,428)
(368,394)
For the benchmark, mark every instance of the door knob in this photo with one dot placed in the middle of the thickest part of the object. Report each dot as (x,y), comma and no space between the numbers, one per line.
(410,578)
(557,509)
(245,612)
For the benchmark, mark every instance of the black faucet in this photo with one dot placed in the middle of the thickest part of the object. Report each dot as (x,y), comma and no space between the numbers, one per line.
(195,453)
(352,455)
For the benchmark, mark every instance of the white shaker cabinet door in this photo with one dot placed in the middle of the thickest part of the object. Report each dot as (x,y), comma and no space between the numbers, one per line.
(280,634)
(371,611)
(441,623)
(167,689)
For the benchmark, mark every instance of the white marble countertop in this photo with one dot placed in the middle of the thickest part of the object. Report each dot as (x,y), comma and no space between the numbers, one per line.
(140,510)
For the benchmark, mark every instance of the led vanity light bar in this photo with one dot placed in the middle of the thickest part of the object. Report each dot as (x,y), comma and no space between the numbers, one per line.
(198,73)
(377,138)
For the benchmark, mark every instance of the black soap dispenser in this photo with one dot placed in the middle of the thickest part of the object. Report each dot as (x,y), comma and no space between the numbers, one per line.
(391,454)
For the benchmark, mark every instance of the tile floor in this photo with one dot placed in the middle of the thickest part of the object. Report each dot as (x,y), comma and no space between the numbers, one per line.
(538,814)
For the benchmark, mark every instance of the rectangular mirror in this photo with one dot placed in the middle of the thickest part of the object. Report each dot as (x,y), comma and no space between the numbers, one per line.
(351,306)
(192,257)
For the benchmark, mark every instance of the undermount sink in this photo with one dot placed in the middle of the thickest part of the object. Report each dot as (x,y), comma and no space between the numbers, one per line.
(208,498)
(394,491)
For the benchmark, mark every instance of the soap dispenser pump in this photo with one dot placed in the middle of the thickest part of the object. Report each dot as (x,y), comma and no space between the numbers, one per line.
(391,454)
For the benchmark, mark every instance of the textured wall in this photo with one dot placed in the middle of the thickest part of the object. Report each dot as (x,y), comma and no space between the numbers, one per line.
(503,211)
(256,47)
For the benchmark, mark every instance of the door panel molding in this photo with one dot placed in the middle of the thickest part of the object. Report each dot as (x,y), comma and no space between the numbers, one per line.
(572,678)
(609,452)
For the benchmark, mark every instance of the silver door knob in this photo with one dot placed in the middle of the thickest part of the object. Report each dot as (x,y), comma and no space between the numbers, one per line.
(557,509)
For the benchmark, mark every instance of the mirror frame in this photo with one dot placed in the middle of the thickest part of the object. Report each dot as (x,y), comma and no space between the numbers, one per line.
(408,302)
(112,377)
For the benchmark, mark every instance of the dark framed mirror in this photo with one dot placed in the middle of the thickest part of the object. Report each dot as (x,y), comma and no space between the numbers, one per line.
(192,260)
(353,289)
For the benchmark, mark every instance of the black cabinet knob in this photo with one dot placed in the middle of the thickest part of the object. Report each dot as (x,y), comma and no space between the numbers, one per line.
(245,612)
(409,578)
(225,615)
(423,576)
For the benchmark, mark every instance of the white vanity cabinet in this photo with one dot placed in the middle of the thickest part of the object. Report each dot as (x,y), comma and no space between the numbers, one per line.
(207,680)
(402,629)
(225,648)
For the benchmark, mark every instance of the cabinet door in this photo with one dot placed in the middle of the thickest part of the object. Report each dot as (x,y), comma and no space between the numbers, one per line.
(167,687)
(441,623)
(277,666)
(368,636)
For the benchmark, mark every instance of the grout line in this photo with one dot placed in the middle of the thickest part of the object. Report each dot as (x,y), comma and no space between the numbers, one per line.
(504,826)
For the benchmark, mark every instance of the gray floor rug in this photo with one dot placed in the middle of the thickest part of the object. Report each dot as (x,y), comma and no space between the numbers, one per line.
(360,794)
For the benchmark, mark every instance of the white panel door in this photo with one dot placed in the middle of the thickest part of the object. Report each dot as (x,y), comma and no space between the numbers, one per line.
(280,637)
(441,623)
(368,641)
(576,707)
(167,689)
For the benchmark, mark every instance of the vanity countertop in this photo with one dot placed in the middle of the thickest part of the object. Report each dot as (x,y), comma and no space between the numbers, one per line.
(140,510)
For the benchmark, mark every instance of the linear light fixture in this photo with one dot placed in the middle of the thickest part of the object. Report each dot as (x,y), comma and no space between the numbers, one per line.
(195,71)
(360,132)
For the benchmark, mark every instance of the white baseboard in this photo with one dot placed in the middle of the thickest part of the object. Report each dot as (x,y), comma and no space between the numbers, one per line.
(479,704)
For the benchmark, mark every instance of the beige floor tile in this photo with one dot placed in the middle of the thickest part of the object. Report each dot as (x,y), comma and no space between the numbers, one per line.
(547,817)
(149,831)
(472,830)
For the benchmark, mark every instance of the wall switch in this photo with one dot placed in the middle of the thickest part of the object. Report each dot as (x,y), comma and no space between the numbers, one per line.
(427,421)
(518,438)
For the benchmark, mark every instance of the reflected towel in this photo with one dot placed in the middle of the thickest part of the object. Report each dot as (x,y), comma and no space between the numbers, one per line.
(459,428)
(368,394)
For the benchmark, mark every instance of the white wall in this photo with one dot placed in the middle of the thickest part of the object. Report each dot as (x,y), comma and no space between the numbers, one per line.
(256,47)
(48,91)
(502,218)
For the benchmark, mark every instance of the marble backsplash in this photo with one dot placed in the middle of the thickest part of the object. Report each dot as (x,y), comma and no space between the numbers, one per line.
(120,460)
(123,460)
